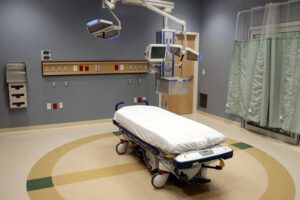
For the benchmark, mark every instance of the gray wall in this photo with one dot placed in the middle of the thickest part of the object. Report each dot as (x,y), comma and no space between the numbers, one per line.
(31,25)
(216,44)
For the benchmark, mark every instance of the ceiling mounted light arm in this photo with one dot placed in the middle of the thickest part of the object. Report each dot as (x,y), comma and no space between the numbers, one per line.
(115,16)
(109,4)
(171,17)
(158,6)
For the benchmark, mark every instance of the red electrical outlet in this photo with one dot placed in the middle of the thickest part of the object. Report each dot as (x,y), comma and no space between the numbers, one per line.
(87,68)
(54,106)
(80,68)
(140,99)
(116,67)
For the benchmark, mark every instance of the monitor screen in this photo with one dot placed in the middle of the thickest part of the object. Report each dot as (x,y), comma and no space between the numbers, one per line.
(158,52)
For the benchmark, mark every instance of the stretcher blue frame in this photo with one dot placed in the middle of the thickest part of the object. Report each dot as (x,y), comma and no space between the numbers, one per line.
(155,151)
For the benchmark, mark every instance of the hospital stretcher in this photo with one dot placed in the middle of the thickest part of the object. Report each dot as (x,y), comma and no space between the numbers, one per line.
(169,143)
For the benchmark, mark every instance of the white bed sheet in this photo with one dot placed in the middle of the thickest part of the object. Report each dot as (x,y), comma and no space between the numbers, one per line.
(168,131)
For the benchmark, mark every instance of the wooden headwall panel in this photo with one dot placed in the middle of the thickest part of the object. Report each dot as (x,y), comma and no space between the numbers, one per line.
(64,68)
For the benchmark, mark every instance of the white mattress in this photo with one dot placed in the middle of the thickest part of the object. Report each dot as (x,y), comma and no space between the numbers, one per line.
(167,131)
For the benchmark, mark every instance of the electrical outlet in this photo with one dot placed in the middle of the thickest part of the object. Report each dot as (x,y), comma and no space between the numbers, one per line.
(75,68)
(203,72)
(61,105)
(66,83)
(135,100)
(139,81)
(54,106)
(130,81)
(144,98)
(49,106)
(97,68)
(53,84)
(46,55)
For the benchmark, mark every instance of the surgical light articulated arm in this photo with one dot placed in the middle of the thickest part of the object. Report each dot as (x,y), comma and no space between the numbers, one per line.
(158,6)
(171,17)
(116,18)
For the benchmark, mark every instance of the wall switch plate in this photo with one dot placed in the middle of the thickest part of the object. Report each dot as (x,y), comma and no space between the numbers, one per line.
(203,72)
(49,106)
(134,100)
(66,83)
(53,84)
(61,105)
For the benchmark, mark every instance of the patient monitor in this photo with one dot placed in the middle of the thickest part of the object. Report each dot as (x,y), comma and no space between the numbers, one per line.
(156,53)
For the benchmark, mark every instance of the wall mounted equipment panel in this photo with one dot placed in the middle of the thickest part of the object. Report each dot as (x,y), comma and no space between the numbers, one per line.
(64,68)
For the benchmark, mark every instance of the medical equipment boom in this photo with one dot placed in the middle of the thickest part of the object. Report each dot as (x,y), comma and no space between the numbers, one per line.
(161,55)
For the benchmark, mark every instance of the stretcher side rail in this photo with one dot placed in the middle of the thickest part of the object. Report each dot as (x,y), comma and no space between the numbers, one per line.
(123,102)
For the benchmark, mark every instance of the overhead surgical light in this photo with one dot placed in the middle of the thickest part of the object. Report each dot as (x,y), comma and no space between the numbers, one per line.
(110,33)
(191,54)
(97,25)
(105,29)
(175,49)
(114,37)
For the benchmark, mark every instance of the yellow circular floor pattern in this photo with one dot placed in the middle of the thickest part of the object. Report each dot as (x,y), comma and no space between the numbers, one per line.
(89,168)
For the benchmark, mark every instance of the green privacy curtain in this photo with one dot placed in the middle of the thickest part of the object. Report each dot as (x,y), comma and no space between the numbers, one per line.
(285,84)
(249,81)
(264,83)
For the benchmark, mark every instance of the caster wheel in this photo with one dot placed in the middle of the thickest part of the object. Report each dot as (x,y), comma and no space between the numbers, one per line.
(121,147)
(159,180)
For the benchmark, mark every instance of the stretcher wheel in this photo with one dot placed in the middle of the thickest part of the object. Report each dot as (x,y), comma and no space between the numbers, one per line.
(121,147)
(159,180)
